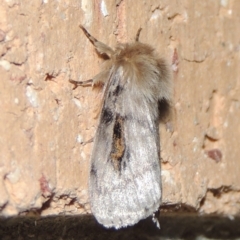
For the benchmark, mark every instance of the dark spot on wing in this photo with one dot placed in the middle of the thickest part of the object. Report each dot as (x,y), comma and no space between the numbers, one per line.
(127,154)
(146,209)
(124,165)
(93,170)
(107,116)
(125,159)
(118,128)
(117,90)
(118,143)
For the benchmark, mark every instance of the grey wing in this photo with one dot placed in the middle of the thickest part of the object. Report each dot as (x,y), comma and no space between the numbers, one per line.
(125,183)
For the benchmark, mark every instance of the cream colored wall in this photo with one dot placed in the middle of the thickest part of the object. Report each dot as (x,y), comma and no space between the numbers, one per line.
(43,122)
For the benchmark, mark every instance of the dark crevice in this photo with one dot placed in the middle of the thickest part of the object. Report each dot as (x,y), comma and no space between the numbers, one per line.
(173,226)
(49,77)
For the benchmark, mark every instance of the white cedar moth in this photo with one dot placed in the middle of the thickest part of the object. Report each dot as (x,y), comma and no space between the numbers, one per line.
(125,177)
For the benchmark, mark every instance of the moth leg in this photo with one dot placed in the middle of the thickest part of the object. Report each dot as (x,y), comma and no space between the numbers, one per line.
(88,141)
(155,220)
(101,78)
(138,34)
(98,80)
(86,83)
(101,48)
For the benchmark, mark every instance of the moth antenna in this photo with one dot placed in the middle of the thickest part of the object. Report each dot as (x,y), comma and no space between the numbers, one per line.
(92,39)
(138,33)
(101,48)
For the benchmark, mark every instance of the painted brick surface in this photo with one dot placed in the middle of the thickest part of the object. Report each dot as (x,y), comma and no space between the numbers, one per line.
(44,123)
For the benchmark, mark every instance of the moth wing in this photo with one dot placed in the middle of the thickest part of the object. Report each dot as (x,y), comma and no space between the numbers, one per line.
(125,183)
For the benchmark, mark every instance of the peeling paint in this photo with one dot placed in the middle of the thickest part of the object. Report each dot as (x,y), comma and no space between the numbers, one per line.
(168,178)
(104,9)
(87,7)
(14,176)
(16,100)
(83,155)
(77,102)
(224,3)
(79,138)
(32,96)
(5,64)
(156,15)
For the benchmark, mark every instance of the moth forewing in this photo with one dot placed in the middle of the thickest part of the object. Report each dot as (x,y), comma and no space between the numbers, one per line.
(125,177)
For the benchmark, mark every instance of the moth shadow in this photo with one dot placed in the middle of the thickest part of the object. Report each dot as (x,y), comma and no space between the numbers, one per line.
(85,227)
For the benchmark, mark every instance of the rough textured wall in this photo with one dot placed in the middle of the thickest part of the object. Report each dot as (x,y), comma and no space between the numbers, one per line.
(44,123)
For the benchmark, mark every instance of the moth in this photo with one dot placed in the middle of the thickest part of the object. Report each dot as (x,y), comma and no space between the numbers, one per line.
(125,177)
